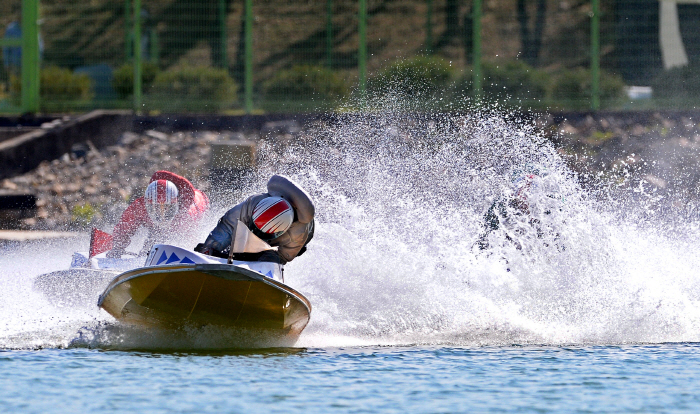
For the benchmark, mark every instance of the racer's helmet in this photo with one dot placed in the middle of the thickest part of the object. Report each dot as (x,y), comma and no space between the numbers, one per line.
(524,185)
(272,217)
(161,202)
(525,182)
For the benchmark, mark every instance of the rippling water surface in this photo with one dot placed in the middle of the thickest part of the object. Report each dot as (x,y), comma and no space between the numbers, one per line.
(642,378)
(591,303)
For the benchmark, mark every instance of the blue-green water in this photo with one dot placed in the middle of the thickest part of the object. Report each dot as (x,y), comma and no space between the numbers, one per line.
(359,353)
(417,379)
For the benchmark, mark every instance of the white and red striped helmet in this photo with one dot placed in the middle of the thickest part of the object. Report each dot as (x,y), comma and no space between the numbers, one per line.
(273,216)
(161,201)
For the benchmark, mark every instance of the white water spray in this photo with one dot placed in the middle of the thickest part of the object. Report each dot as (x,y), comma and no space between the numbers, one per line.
(401,205)
(395,259)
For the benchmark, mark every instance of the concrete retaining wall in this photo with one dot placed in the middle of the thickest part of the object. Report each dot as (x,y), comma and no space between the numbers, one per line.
(25,152)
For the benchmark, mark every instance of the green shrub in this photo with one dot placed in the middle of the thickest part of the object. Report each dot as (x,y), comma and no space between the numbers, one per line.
(519,84)
(571,85)
(4,92)
(199,88)
(62,84)
(421,76)
(504,82)
(306,82)
(59,88)
(515,80)
(57,84)
(680,84)
(123,81)
(572,88)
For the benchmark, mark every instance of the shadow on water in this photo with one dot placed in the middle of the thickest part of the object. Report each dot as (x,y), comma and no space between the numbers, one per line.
(209,338)
(224,352)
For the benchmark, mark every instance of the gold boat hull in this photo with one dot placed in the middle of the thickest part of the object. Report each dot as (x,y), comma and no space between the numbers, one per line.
(207,294)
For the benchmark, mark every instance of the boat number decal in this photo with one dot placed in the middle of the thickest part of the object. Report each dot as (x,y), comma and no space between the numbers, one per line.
(173,259)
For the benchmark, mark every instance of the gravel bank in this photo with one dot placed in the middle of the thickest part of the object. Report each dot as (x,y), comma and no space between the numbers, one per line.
(78,191)
(656,154)
(659,152)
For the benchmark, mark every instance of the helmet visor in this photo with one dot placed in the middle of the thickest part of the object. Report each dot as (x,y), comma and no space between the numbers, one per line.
(161,213)
(266,236)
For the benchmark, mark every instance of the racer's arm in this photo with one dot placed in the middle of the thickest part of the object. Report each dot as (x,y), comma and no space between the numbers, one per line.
(220,238)
(491,223)
(131,220)
(199,207)
(293,240)
(188,220)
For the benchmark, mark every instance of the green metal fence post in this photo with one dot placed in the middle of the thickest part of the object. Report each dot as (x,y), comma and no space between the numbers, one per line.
(222,34)
(595,55)
(329,32)
(30,56)
(248,56)
(128,30)
(429,28)
(137,56)
(476,47)
(362,47)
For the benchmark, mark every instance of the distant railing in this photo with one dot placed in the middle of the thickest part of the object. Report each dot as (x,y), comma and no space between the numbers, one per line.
(246,56)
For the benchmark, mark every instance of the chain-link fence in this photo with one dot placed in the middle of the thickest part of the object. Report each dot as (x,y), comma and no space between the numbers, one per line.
(10,64)
(279,55)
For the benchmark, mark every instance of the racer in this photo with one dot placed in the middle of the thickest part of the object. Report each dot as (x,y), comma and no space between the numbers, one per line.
(283,217)
(170,205)
(518,205)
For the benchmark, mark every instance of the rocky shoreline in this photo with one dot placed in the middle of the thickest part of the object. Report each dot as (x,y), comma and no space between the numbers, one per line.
(92,187)
(654,154)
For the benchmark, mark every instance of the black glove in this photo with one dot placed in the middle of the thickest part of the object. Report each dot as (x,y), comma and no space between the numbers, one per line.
(201,248)
(115,254)
(208,250)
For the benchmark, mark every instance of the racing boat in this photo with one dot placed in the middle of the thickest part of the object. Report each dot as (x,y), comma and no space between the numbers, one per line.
(176,288)
(179,288)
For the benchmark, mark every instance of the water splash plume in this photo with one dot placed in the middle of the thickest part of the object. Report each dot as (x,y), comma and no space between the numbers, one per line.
(403,253)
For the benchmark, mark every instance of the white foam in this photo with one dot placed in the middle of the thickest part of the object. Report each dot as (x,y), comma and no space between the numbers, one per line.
(400,205)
